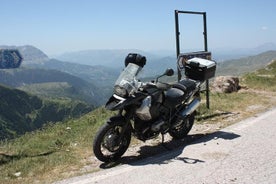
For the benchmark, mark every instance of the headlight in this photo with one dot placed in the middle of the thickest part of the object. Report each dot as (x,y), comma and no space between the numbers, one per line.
(118,90)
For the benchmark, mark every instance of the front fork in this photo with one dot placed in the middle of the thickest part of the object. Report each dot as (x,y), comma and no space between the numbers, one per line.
(125,117)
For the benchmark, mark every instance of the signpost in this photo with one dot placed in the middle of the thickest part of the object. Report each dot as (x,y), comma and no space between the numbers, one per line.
(10,58)
(201,54)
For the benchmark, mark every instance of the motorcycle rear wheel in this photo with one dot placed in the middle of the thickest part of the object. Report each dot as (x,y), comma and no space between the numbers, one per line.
(183,126)
(109,143)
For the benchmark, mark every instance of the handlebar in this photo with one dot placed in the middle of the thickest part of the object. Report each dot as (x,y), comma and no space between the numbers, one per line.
(159,85)
(163,86)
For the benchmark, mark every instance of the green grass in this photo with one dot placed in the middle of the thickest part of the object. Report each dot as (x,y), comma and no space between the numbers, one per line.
(264,79)
(51,150)
(267,83)
(222,104)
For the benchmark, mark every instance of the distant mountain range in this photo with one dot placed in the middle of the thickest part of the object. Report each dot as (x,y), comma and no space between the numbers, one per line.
(225,54)
(83,80)
(109,58)
(114,59)
(245,64)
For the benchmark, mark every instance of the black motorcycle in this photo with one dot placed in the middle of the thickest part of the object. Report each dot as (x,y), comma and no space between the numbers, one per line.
(146,109)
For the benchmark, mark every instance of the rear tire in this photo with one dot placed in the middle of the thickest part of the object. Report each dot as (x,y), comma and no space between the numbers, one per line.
(183,126)
(109,145)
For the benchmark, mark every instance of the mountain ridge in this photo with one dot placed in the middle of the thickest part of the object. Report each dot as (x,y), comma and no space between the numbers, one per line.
(30,53)
(245,64)
(26,76)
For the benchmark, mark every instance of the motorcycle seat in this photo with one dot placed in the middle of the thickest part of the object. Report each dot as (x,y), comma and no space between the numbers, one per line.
(186,85)
(177,93)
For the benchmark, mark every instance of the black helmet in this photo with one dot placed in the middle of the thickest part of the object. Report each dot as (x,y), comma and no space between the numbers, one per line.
(135,59)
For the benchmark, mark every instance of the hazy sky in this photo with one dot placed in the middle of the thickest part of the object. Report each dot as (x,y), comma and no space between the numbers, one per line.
(57,26)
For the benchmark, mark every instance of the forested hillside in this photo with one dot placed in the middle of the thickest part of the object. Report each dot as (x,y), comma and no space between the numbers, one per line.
(21,112)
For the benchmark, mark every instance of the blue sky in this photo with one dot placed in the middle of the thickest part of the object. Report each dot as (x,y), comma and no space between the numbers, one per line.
(57,26)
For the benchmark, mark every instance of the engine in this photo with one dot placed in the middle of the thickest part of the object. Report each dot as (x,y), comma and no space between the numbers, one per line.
(148,120)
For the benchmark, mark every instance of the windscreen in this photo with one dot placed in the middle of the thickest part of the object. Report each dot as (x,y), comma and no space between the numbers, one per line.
(127,79)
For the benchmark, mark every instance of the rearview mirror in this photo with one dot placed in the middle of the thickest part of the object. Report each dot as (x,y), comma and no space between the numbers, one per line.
(169,72)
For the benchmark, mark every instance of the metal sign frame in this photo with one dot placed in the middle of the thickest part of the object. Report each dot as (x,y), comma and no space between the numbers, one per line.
(177,33)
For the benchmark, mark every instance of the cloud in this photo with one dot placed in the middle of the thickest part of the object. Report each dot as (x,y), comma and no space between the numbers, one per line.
(264,28)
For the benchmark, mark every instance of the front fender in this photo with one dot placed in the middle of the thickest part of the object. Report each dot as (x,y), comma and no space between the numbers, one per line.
(121,121)
(118,104)
(118,119)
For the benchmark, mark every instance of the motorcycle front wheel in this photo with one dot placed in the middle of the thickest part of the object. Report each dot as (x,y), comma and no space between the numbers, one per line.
(183,126)
(111,142)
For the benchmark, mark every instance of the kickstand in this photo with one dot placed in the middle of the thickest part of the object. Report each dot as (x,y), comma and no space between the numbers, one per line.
(163,144)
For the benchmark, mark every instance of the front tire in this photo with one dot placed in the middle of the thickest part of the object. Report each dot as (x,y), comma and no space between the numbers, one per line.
(110,142)
(183,126)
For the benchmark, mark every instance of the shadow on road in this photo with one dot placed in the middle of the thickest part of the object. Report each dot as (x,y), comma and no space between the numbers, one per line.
(163,153)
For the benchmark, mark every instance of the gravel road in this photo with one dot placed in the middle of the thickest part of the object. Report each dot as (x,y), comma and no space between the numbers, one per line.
(242,153)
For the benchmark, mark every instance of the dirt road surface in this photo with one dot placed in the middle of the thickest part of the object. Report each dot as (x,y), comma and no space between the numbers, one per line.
(242,153)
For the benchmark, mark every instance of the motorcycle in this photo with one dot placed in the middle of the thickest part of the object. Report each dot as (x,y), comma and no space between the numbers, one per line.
(146,110)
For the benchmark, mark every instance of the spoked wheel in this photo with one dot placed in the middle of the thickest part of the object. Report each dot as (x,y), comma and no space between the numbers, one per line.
(110,142)
(182,126)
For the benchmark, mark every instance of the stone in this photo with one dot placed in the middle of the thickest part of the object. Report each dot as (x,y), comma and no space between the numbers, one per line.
(226,84)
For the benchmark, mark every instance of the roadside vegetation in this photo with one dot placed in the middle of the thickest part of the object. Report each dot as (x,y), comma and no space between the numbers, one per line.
(63,149)
(263,79)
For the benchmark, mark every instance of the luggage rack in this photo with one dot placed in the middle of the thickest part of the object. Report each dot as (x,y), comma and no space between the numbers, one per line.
(200,54)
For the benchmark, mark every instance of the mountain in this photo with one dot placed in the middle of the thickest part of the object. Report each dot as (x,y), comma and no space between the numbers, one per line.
(100,76)
(89,81)
(114,59)
(106,57)
(224,54)
(263,47)
(157,66)
(21,112)
(245,64)
(70,87)
(30,53)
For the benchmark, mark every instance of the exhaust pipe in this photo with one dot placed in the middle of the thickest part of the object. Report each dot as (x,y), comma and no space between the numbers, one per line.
(190,108)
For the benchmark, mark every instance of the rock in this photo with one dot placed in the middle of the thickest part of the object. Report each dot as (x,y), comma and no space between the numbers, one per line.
(17,174)
(226,84)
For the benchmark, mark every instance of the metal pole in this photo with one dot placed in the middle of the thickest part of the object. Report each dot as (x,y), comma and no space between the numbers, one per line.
(190,12)
(177,33)
(206,49)
(205,32)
